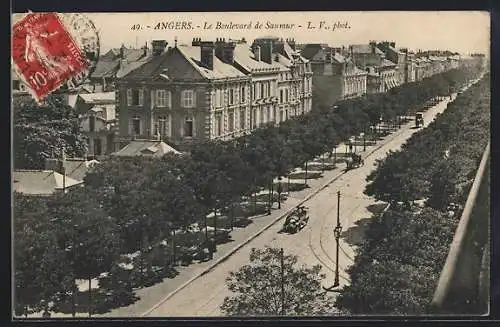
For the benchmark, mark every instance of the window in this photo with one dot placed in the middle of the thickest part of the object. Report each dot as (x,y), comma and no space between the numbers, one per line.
(281,96)
(242,94)
(218,124)
(231,96)
(253,118)
(136,125)
(162,98)
(188,127)
(242,119)
(262,91)
(187,99)
(135,97)
(254,95)
(261,116)
(91,123)
(286,95)
(230,122)
(97,147)
(282,115)
(162,126)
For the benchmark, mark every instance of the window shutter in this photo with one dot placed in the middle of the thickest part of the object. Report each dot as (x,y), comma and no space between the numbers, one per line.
(169,99)
(129,97)
(153,99)
(141,127)
(130,127)
(141,97)
(193,94)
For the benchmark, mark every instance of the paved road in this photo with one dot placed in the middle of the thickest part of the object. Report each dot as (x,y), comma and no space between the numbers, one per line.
(313,245)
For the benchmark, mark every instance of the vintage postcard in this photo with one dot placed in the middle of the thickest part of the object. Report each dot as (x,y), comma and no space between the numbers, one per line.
(250,164)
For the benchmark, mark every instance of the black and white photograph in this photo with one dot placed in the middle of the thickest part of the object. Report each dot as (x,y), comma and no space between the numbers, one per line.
(250,164)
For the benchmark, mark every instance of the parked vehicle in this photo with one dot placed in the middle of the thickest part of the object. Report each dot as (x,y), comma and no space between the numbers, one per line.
(296,220)
(354,161)
(419,119)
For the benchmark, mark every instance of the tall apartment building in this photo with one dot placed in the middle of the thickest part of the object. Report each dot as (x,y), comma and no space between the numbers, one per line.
(209,90)
(335,77)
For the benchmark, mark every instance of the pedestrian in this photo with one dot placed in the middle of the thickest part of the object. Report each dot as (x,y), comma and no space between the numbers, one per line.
(350,147)
(46,314)
(279,190)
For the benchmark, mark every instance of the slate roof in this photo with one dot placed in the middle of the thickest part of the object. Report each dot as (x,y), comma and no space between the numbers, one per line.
(387,63)
(244,57)
(105,68)
(339,58)
(168,62)
(145,148)
(364,48)
(103,97)
(41,182)
(77,168)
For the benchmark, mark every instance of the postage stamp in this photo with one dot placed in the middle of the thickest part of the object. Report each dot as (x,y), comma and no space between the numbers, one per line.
(44,53)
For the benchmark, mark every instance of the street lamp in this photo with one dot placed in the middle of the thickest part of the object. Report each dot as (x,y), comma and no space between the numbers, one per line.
(337,231)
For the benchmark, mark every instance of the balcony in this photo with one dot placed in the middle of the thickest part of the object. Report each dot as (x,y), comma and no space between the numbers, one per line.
(464,283)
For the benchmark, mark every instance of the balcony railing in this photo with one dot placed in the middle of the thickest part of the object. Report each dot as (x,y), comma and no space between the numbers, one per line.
(463,286)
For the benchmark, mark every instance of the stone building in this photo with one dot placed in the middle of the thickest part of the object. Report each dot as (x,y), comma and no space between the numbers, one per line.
(296,77)
(335,77)
(184,94)
(396,56)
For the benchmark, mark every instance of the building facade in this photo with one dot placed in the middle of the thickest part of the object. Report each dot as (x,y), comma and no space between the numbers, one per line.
(335,77)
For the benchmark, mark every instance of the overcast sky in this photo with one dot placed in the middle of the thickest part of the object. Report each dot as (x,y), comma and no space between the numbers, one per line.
(462,31)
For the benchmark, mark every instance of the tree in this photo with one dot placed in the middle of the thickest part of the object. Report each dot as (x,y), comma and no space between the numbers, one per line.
(258,287)
(41,266)
(88,231)
(43,130)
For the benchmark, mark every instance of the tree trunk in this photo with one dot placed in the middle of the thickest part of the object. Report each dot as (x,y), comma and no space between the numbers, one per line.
(305,179)
(90,296)
(174,260)
(231,216)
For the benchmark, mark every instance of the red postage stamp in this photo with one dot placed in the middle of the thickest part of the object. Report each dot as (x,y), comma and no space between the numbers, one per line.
(44,53)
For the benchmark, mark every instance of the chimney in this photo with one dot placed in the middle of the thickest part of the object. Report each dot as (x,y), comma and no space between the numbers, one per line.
(256,52)
(373,45)
(159,47)
(207,54)
(122,52)
(145,49)
(266,54)
(53,164)
(196,42)
(291,43)
(392,44)
(228,53)
(243,40)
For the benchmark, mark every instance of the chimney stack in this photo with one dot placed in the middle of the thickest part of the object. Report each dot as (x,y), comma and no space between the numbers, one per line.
(159,47)
(122,51)
(291,43)
(207,54)
(256,52)
(196,42)
(392,44)
(373,45)
(224,50)
(266,54)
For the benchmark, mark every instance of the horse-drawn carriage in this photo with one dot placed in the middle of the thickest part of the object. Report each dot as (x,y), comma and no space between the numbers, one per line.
(296,220)
(354,161)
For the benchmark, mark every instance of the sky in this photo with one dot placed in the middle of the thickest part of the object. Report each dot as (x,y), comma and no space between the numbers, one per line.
(460,31)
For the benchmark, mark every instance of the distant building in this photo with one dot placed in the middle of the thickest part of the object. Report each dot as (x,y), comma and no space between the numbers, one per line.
(113,64)
(75,168)
(335,77)
(396,56)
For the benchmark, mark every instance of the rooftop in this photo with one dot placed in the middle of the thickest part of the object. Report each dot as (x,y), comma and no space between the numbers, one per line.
(103,97)
(145,148)
(364,48)
(41,182)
